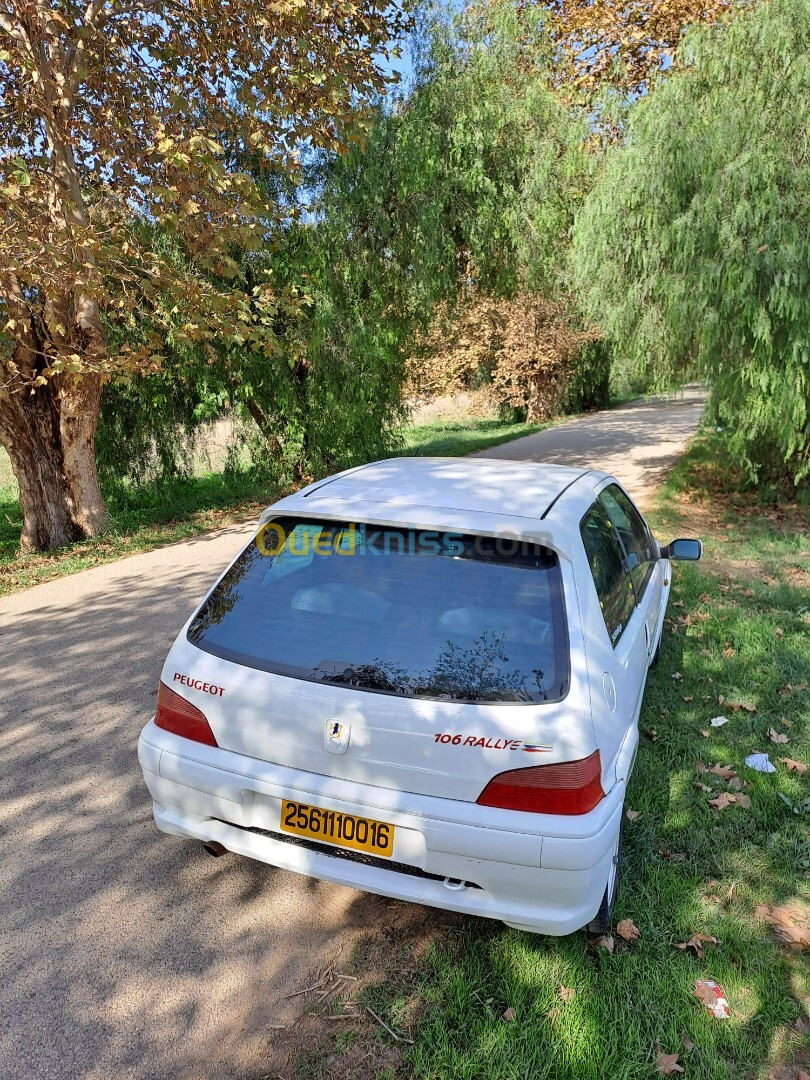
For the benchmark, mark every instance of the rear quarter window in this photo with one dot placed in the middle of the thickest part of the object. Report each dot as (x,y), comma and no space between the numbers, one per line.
(611,577)
(445,616)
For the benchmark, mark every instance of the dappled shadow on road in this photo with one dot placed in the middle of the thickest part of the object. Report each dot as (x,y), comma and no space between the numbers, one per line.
(638,443)
(125,951)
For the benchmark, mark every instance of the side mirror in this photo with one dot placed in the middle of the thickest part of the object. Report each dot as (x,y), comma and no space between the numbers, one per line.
(683,550)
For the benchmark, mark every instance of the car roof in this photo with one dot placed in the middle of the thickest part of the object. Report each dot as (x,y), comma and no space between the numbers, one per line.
(522,489)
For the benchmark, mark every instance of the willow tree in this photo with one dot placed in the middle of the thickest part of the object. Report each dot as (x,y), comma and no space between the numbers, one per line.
(692,249)
(125,121)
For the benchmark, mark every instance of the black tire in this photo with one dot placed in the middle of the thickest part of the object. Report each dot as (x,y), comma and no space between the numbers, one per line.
(604,916)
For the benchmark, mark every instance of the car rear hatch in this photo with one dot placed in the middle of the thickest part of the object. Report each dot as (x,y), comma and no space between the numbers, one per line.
(426,663)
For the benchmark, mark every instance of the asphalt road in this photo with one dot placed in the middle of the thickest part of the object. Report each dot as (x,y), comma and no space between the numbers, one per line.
(125,953)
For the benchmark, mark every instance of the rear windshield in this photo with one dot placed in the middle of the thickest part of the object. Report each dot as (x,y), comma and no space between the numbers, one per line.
(395,611)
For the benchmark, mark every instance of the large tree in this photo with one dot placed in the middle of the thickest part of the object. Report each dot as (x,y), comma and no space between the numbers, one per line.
(623,44)
(124,201)
(693,247)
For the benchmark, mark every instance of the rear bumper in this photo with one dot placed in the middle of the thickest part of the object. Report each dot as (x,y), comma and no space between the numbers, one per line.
(537,872)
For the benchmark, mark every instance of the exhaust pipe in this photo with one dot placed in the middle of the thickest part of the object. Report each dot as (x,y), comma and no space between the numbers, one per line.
(214,848)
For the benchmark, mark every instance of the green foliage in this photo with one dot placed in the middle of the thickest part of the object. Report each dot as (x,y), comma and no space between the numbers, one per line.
(589,385)
(692,248)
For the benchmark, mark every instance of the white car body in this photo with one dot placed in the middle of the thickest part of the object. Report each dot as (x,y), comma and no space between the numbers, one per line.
(539,872)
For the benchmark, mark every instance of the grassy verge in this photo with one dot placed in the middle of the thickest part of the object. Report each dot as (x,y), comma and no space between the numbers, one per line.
(497,1004)
(163,513)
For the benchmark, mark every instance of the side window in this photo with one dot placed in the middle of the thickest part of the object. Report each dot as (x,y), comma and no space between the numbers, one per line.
(613,585)
(634,534)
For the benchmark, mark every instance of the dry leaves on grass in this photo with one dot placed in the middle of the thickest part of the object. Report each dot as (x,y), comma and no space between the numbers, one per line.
(791,922)
(725,799)
(566,993)
(603,941)
(793,766)
(633,815)
(705,733)
(735,706)
(651,734)
(673,856)
(724,771)
(667,1064)
(509,1015)
(696,942)
(776,736)
(628,930)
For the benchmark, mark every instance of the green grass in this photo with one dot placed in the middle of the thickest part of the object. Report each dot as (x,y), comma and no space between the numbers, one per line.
(157,514)
(456,437)
(721,639)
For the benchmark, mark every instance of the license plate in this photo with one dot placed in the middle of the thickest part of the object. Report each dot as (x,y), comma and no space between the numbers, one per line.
(342,830)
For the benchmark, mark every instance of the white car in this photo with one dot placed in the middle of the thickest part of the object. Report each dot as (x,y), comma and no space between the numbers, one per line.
(422,678)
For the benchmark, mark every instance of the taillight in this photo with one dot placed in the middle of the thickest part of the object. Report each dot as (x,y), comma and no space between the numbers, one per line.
(174,713)
(569,787)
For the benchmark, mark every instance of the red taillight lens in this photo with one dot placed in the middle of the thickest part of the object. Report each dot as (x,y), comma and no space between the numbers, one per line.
(174,713)
(570,787)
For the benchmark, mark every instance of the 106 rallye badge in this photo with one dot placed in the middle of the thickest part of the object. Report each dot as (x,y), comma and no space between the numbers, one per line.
(480,742)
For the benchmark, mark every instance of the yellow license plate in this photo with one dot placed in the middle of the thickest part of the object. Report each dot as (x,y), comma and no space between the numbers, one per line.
(343,830)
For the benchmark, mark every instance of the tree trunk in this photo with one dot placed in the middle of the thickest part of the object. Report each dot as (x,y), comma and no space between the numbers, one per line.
(49,435)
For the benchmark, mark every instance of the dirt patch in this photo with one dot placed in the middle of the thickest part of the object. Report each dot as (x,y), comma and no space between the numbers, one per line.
(340,1036)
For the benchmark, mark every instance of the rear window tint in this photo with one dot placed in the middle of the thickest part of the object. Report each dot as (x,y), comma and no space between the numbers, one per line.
(394,611)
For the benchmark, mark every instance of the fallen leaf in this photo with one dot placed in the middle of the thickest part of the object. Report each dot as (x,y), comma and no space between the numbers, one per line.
(780,633)
(554,1014)
(604,941)
(718,721)
(566,993)
(704,787)
(509,1015)
(706,734)
(785,722)
(651,734)
(667,1064)
(776,736)
(742,801)
(633,815)
(735,706)
(673,856)
(790,921)
(729,653)
(725,771)
(627,929)
(687,1043)
(688,697)
(723,800)
(696,942)
(720,699)
(793,766)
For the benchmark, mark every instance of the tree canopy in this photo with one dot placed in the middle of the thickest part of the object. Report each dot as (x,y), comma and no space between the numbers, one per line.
(126,200)
(692,249)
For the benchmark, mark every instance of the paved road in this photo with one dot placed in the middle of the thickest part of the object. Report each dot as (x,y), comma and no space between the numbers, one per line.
(638,443)
(125,953)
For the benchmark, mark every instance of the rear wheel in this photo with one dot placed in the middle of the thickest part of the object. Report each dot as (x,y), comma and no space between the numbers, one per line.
(604,916)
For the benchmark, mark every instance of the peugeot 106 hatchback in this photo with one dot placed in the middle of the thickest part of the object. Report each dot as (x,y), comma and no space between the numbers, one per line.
(422,678)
